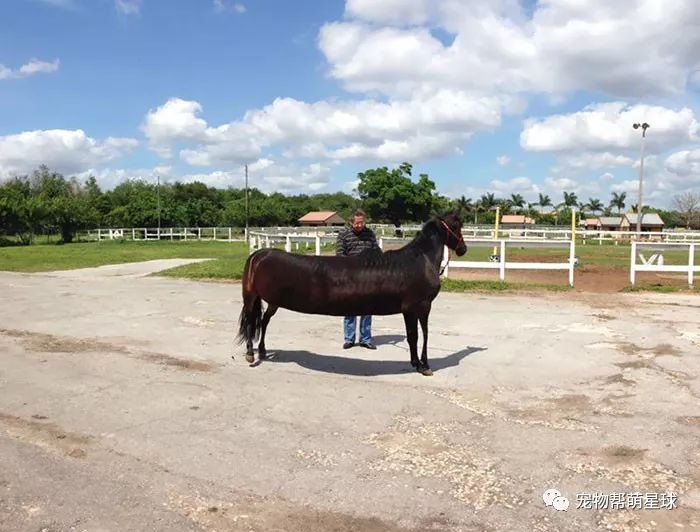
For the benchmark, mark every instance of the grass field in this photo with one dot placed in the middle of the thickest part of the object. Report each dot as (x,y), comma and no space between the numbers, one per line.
(229,259)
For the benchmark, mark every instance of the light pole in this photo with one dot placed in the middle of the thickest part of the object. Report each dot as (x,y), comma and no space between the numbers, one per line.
(158,195)
(644,127)
(246,203)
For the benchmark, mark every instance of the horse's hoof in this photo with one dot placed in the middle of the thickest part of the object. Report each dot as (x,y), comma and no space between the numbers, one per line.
(425,371)
(249,359)
(262,355)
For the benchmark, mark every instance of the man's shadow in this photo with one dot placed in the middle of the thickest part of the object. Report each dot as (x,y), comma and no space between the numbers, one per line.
(347,365)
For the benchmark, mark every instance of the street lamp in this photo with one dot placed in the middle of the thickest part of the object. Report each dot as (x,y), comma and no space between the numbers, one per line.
(644,127)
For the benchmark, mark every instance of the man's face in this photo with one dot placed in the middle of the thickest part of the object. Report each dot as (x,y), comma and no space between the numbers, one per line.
(358,223)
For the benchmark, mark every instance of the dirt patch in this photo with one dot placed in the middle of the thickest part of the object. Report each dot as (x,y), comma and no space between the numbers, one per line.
(429,450)
(182,363)
(252,514)
(619,378)
(47,435)
(689,420)
(48,343)
(595,278)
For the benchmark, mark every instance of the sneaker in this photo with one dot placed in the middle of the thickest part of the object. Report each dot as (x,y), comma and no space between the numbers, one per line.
(348,345)
(368,345)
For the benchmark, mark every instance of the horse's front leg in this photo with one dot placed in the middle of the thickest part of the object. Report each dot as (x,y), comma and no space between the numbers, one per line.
(411,322)
(423,367)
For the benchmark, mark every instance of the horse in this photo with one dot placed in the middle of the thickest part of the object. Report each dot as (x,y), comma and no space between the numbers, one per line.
(402,281)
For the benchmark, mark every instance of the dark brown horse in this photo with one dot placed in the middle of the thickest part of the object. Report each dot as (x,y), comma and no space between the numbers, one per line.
(403,281)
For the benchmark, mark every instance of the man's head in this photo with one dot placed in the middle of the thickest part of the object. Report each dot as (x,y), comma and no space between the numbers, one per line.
(357,220)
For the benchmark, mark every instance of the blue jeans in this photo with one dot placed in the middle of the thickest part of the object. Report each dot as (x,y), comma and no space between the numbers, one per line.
(350,325)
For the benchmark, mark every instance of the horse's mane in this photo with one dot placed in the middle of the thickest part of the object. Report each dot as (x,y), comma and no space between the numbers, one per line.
(405,254)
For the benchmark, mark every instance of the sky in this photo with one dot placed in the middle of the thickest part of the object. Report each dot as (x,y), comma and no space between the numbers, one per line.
(501,96)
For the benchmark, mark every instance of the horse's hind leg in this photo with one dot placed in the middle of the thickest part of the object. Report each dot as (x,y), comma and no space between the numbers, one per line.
(269,312)
(411,322)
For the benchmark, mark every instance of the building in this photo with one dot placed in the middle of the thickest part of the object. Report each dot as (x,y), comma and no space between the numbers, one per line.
(591,224)
(610,223)
(516,221)
(651,222)
(321,218)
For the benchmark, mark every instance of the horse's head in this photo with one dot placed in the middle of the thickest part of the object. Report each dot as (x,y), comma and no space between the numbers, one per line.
(451,225)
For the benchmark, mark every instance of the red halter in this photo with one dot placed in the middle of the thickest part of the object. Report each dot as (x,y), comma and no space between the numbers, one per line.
(459,239)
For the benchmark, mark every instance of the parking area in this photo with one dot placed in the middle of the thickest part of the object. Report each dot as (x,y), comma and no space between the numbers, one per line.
(122,409)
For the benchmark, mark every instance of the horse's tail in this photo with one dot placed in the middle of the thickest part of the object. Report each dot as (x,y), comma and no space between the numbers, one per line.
(251,313)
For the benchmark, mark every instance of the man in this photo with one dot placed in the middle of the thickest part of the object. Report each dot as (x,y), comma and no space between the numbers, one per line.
(353,240)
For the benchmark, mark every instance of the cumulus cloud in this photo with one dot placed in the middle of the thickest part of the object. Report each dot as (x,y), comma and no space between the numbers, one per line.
(367,129)
(560,46)
(34,66)
(606,126)
(65,151)
(128,7)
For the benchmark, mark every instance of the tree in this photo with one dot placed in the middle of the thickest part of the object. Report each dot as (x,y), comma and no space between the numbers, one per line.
(516,200)
(618,200)
(544,200)
(594,205)
(393,196)
(688,205)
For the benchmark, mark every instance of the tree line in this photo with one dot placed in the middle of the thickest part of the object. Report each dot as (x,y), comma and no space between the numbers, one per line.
(47,202)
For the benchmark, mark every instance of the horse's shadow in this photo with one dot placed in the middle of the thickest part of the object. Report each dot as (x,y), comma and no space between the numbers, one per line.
(361,367)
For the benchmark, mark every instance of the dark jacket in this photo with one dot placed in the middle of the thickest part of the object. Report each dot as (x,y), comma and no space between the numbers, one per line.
(351,243)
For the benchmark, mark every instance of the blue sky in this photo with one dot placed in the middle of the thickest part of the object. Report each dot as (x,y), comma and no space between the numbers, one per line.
(505,97)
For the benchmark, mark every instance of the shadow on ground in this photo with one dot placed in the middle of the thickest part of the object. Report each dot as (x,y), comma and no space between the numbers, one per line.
(346,365)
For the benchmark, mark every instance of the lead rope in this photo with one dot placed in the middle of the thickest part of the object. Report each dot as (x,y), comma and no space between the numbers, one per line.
(449,256)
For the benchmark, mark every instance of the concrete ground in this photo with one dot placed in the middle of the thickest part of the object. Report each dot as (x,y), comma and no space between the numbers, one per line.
(121,409)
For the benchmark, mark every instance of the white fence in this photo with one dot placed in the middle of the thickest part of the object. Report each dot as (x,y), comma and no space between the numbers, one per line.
(260,240)
(655,263)
(237,234)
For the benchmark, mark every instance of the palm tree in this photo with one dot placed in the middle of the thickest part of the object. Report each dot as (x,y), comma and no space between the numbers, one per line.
(594,205)
(618,200)
(570,199)
(516,200)
(544,200)
(464,206)
(488,200)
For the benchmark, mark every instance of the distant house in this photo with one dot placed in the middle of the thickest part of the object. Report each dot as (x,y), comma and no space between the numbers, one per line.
(591,224)
(516,221)
(610,223)
(651,222)
(322,218)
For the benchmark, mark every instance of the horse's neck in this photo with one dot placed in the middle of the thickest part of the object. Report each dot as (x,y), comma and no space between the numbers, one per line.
(431,247)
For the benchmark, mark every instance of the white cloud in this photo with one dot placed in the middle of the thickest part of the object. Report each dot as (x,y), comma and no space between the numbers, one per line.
(394,131)
(608,126)
(560,47)
(34,66)
(684,163)
(65,151)
(515,185)
(502,160)
(221,5)
(128,7)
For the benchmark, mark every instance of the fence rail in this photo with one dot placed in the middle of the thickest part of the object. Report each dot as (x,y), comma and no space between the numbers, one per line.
(656,262)
(237,234)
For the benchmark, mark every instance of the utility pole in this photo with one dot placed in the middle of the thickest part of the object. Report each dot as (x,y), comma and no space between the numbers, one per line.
(644,127)
(246,203)
(158,191)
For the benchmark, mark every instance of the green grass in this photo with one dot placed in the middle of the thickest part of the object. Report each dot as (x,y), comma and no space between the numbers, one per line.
(42,258)
(458,285)
(662,288)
